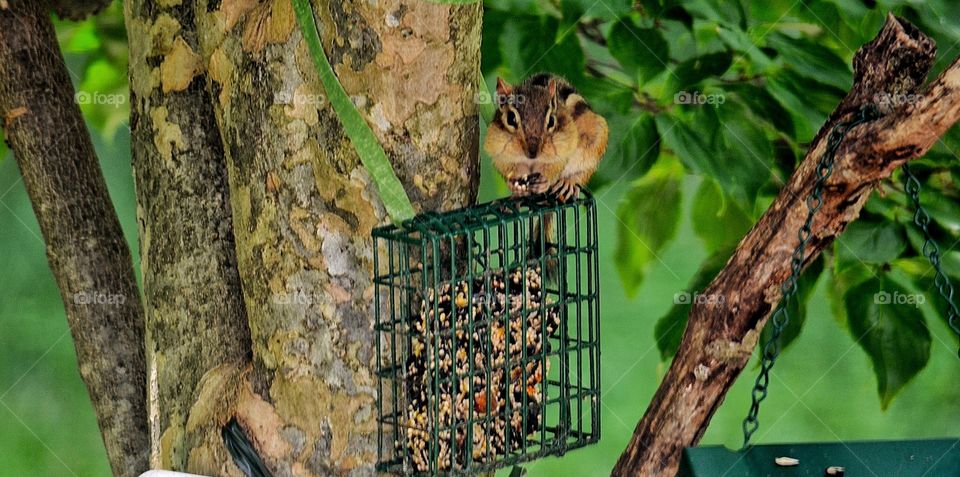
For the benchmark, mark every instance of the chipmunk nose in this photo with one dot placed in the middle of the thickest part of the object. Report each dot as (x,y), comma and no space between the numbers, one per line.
(533,147)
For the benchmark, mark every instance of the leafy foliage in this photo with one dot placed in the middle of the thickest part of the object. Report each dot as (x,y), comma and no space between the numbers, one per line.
(893,333)
(733,91)
(96,54)
(647,224)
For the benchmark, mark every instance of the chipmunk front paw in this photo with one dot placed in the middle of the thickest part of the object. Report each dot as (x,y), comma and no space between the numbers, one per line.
(536,183)
(565,190)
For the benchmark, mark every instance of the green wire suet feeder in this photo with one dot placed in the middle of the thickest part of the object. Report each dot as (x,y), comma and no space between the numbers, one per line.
(488,336)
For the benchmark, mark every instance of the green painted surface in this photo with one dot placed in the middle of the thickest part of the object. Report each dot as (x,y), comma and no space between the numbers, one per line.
(933,458)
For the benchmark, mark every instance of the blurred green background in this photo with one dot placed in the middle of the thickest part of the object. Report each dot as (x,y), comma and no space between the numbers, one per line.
(682,181)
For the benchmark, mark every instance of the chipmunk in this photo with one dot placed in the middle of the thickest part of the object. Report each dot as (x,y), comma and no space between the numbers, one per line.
(544,137)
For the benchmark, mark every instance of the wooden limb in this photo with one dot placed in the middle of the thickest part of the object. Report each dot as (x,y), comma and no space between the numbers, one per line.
(301,206)
(85,245)
(195,318)
(722,333)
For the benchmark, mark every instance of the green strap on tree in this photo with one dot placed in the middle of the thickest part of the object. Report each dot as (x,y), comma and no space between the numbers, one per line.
(364,141)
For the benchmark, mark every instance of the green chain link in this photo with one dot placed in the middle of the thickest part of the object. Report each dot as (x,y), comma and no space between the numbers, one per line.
(781,317)
(931,250)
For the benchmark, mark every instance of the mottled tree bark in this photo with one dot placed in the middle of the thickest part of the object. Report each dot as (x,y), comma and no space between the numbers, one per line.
(231,85)
(195,317)
(85,246)
(722,334)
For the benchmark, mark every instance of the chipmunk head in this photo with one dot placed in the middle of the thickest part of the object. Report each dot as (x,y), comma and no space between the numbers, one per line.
(531,121)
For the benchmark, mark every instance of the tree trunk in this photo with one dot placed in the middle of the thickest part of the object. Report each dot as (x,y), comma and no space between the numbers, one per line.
(85,246)
(256,213)
(195,317)
(722,333)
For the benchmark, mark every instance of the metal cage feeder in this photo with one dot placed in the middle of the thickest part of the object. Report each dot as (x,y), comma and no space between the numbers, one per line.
(488,336)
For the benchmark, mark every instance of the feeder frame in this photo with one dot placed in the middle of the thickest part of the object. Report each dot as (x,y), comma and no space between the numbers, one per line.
(419,260)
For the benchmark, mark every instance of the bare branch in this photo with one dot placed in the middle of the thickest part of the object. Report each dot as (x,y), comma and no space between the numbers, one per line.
(719,339)
(85,245)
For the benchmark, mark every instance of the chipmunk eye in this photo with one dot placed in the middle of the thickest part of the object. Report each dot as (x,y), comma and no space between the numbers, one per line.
(512,119)
(551,122)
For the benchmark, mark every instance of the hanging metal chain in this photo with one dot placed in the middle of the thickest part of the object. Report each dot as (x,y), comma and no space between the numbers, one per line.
(930,249)
(781,317)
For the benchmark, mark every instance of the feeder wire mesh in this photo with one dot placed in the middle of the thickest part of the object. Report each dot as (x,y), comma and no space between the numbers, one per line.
(488,339)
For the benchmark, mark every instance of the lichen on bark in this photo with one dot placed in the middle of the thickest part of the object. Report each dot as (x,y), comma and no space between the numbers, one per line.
(196,323)
(301,205)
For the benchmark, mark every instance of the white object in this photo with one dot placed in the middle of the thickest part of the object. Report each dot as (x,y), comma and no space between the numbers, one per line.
(167,473)
(786,461)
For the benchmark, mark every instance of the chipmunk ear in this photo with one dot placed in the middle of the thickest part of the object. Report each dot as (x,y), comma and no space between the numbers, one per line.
(503,88)
(552,87)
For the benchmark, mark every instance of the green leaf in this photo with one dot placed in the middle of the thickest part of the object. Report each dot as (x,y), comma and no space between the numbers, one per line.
(719,222)
(665,10)
(808,102)
(102,94)
(371,154)
(871,242)
(609,98)
(648,214)
(485,101)
(697,69)
(571,12)
(669,328)
(797,307)
(683,46)
(738,40)
(692,148)
(491,55)
(634,147)
(746,151)
(102,75)
(944,210)
(732,151)
(531,44)
(720,11)
(641,51)
(843,278)
(886,206)
(812,60)
(891,329)
(922,274)
(605,10)
(764,106)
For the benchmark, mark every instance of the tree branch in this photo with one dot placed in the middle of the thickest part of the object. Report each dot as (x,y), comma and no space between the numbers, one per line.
(301,204)
(85,246)
(721,334)
(196,320)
